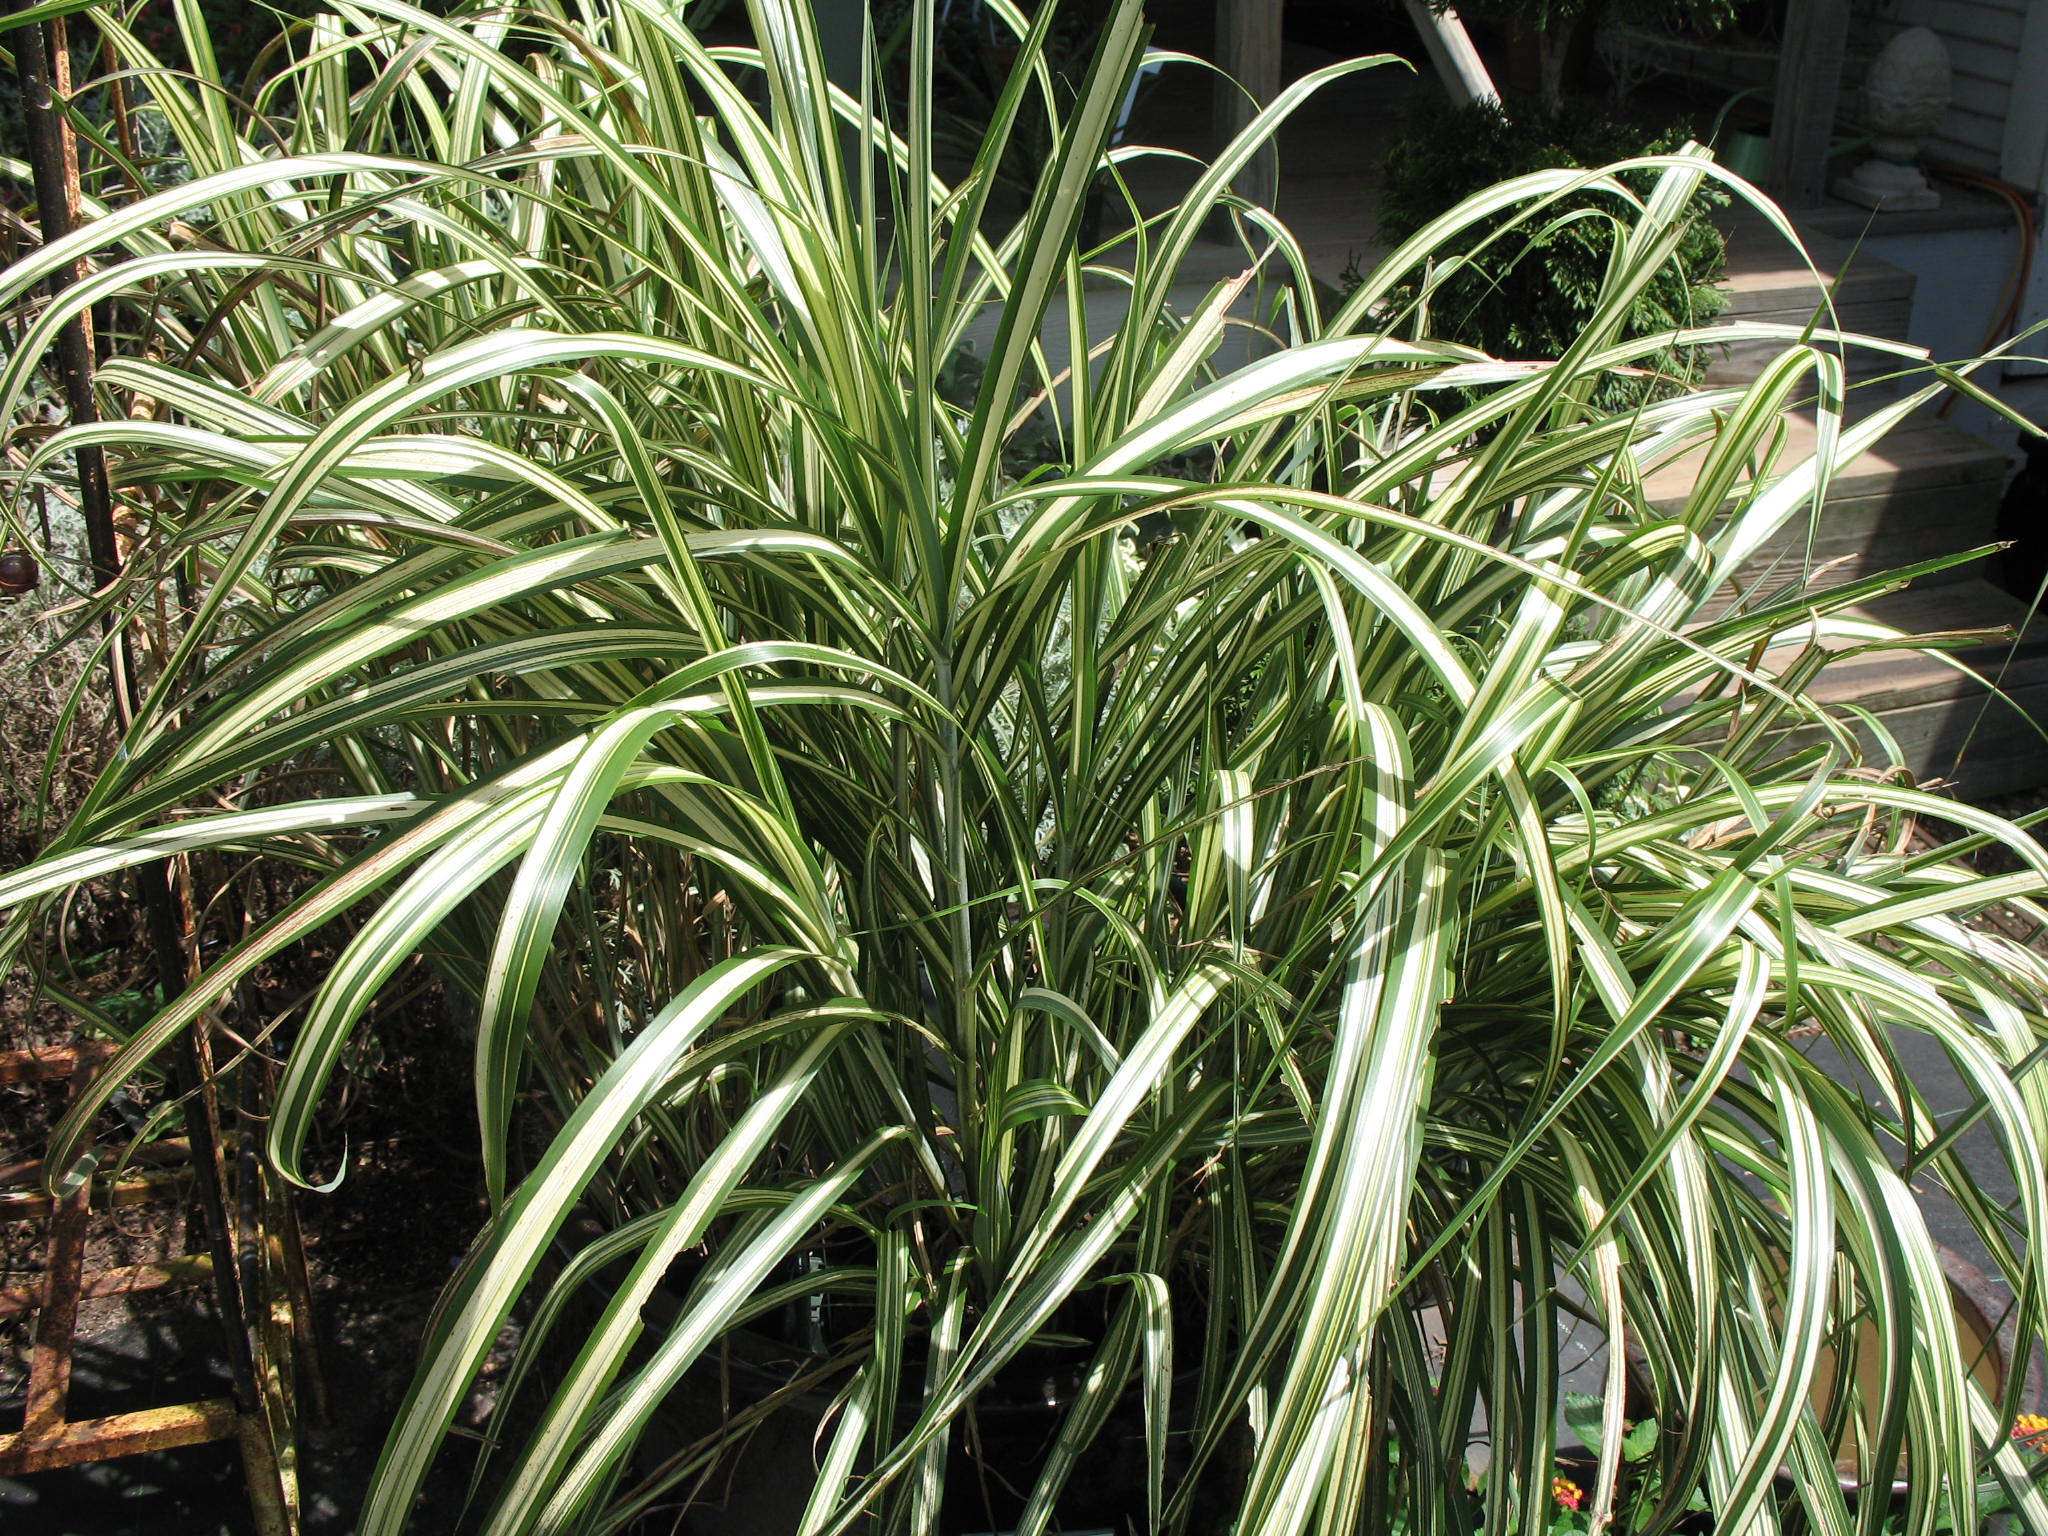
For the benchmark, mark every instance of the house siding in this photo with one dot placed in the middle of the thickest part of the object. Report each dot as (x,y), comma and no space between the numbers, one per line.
(1997,121)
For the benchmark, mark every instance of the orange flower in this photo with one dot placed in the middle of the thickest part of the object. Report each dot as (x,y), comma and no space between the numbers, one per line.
(2032,1430)
(1567,1492)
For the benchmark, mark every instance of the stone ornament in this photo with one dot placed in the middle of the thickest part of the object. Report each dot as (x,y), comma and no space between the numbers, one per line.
(1904,97)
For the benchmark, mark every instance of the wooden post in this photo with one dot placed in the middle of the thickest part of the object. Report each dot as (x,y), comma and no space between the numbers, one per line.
(1809,85)
(1248,49)
(1450,49)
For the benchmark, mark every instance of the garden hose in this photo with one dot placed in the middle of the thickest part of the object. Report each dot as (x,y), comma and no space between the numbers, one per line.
(2013,294)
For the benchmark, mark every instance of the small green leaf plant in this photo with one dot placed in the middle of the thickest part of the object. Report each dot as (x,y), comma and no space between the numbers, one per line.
(1556,25)
(1530,291)
(1640,1486)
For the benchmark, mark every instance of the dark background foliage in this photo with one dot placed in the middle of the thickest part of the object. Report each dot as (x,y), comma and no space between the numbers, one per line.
(1531,292)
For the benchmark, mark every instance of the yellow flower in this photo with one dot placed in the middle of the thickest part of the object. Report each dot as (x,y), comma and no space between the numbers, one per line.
(2032,1428)
(1567,1492)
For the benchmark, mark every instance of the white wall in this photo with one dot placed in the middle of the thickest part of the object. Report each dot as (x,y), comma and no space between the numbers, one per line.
(2024,382)
(2024,156)
(1961,275)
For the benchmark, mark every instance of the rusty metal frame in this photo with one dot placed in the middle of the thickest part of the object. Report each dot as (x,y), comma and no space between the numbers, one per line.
(265,1331)
(48,1438)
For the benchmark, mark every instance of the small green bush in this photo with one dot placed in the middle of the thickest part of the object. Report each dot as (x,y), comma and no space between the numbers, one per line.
(1531,292)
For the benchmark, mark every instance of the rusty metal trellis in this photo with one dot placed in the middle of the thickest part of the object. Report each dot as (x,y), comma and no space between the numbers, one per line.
(254,1265)
(274,1270)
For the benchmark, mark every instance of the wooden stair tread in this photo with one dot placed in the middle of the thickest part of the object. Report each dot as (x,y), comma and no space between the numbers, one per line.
(1898,679)
(1919,453)
(1765,274)
(1967,605)
(1769,279)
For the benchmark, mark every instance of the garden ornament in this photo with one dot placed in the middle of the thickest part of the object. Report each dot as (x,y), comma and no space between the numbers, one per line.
(1904,97)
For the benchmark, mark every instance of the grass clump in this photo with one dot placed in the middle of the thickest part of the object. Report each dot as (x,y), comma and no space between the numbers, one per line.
(1273,913)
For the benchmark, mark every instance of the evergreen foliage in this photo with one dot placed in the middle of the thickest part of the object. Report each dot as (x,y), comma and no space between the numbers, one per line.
(1530,292)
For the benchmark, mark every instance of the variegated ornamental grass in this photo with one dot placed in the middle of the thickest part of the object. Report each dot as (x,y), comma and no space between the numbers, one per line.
(1324,915)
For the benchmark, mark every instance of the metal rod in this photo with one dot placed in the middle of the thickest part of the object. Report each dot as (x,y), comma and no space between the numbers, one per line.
(49,1371)
(121,1434)
(55,167)
(44,66)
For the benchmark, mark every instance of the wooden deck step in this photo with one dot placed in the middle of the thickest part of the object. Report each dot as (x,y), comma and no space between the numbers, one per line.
(1895,680)
(1924,491)
(1766,275)
(1768,280)
(1946,723)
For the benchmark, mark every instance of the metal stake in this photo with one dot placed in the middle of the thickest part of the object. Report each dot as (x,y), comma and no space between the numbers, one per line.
(44,66)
